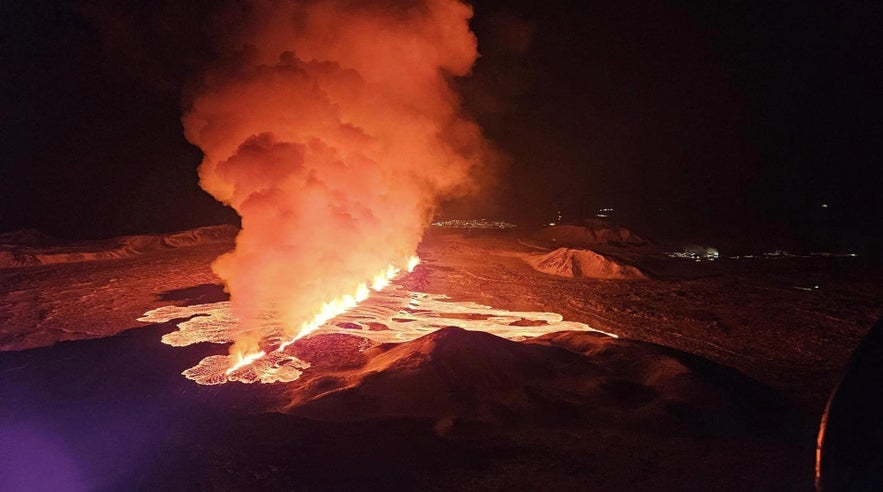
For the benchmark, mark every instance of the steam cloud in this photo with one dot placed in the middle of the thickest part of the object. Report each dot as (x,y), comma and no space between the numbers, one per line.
(332,129)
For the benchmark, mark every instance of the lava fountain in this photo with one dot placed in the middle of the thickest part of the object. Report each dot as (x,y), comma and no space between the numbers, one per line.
(332,129)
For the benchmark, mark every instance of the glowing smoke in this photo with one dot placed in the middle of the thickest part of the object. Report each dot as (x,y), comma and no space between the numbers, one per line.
(331,128)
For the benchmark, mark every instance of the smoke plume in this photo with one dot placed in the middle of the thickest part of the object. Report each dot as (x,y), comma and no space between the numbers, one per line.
(332,129)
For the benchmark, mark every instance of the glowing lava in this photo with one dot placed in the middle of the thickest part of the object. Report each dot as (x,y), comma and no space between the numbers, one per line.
(245,360)
(328,311)
(392,315)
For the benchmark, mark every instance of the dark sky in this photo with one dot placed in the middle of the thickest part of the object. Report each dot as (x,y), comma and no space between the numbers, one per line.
(735,116)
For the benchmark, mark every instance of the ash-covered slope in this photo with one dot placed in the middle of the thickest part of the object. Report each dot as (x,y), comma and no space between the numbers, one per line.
(450,372)
(51,292)
(32,248)
(582,263)
(458,374)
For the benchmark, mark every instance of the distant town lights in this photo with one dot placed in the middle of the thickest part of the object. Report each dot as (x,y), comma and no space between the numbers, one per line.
(604,213)
(473,224)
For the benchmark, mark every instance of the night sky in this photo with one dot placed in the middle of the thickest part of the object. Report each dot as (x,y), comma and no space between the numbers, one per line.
(739,118)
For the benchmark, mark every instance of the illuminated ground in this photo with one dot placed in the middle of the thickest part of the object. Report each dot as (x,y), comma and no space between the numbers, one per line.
(392,315)
(450,410)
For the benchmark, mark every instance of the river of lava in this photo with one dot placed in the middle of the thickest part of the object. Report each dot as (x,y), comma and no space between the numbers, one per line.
(326,313)
(391,315)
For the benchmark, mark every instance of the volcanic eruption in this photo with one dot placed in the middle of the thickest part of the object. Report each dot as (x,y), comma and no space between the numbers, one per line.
(332,128)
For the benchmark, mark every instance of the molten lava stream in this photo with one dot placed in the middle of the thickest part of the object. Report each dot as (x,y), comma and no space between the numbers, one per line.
(328,311)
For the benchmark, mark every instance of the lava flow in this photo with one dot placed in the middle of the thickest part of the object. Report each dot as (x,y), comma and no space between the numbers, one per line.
(329,311)
(390,315)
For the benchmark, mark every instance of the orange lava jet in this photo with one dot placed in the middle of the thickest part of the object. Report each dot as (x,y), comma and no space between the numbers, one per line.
(329,311)
(347,302)
(245,360)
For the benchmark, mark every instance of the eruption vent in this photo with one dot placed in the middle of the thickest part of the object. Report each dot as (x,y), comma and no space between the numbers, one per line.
(332,129)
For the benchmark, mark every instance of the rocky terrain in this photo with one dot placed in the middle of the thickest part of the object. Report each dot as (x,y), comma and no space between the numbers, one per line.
(717,381)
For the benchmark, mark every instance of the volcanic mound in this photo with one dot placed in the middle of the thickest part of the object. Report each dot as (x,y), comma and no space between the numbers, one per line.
(579,263)
(456,374)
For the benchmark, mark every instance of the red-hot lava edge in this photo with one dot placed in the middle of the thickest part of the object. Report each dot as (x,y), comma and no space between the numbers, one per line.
(390,314)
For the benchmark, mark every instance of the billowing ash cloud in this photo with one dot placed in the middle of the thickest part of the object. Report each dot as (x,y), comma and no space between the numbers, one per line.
(332,129)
